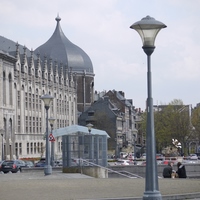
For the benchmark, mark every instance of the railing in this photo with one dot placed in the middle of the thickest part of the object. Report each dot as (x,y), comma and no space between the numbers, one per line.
(122,173)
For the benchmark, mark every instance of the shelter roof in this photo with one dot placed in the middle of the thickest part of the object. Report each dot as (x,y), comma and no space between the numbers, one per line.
(75,129)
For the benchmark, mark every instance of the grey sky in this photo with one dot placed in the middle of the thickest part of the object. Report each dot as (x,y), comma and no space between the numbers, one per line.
(101,29)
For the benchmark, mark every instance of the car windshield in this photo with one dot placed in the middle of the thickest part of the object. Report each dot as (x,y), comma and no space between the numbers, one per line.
(8,162)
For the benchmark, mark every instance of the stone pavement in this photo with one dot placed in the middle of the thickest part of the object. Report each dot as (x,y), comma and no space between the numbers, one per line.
(59,186)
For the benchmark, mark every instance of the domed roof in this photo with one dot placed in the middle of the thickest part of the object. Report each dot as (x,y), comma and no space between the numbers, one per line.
(60,49)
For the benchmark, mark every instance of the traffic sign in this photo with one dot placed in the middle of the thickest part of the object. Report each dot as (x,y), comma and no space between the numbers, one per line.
(51,138)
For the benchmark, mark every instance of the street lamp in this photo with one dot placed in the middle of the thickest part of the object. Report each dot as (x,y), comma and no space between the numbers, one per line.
(91,153)
(51,121)
(148,29)
(47,100)
(134,137)
(89,127)
(10,144)
(2,147)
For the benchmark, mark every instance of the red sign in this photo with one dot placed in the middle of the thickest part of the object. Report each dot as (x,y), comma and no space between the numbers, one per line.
(51,138)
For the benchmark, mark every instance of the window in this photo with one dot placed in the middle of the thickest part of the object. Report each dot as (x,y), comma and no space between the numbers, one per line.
(40,106)
(18,98)
(10,89)
(40,124)
(57,105)
(20,148)
(16,149)
(37,125)
(35,147)
(4,88)
(27,146)
(36,101)
(38,147)
(33,124)
(30,101)
(26,124)
(30,124)
(26,100)
(18,124)
(31,148)
(33,101)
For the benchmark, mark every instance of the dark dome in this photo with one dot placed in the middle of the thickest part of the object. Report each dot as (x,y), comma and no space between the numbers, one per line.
(60,49)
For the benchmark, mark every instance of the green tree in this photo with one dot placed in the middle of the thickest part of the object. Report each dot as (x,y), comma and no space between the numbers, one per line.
(195,118)
(171,122)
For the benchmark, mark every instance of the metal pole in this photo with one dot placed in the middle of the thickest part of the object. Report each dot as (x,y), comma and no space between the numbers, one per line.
(2,151)
(151,185)
(52,149)
(47,168)
(135,162)
(10,152)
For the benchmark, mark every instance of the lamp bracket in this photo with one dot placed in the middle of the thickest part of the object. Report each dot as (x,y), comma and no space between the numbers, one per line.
(148,49)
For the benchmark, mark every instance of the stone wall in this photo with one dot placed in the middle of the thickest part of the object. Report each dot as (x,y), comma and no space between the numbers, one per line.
(193,170)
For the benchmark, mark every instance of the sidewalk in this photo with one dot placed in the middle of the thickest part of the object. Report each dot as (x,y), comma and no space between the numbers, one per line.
(59,186)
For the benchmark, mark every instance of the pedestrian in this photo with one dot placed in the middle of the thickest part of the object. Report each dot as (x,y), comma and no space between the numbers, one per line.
(167,171)
(181,170)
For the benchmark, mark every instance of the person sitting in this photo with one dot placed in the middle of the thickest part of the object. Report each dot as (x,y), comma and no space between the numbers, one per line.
(181,170)
(167,171)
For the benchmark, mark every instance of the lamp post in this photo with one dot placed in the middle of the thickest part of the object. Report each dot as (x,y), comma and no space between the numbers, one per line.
(89,126)
(47,100)
(134,137)
(2,146)
(51,121)
(10,144)
(148,29)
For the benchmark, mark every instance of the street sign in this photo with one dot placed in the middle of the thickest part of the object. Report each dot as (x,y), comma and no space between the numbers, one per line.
(51,138)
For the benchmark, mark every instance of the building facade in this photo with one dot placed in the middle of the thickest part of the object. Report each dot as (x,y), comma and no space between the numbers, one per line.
(115,114)
(26,75)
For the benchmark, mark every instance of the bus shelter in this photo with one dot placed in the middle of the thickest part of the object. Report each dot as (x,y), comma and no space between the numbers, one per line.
(79,146)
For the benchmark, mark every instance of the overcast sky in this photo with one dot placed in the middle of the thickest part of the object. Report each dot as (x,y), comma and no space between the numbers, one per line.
(101,29)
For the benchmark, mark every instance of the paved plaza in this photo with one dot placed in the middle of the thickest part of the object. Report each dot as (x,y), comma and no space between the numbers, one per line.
(59,186)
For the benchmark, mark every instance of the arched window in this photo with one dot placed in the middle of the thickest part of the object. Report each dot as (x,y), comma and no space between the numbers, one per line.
(10,128)
(10,89)
(4,88)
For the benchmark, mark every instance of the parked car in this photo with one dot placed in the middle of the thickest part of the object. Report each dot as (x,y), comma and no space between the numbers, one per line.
(166,162)
(58,163)
(11,166)
(193,157)
(143,157)
(29,164)
(123,154)
(40,164)
(131,156)
(159,156)
(122,162)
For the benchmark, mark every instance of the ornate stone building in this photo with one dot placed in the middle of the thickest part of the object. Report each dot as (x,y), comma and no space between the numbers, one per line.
(58,68)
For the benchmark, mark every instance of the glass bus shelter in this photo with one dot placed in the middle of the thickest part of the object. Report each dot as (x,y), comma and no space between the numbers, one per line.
(81,147)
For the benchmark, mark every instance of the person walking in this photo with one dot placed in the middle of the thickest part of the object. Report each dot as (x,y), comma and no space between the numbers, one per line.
(167,171)
(181,170)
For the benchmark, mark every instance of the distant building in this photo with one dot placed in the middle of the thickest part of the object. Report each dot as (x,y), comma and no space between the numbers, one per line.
(59,68)
(116,115)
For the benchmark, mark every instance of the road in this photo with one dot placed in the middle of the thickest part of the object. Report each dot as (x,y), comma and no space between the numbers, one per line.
(59,186)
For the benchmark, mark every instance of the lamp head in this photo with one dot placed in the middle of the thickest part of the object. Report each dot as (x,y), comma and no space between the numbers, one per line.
(51,120)
(148,29)
(46,99)
(89,127)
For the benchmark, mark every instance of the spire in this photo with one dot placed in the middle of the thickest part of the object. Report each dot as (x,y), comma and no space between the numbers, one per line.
(58,18)
(31,63)
(17,51)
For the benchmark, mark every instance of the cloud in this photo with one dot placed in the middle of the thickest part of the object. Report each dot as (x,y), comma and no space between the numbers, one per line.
(101,29)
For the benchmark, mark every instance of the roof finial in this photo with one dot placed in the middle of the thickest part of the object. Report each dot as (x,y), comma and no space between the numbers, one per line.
(58,18)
